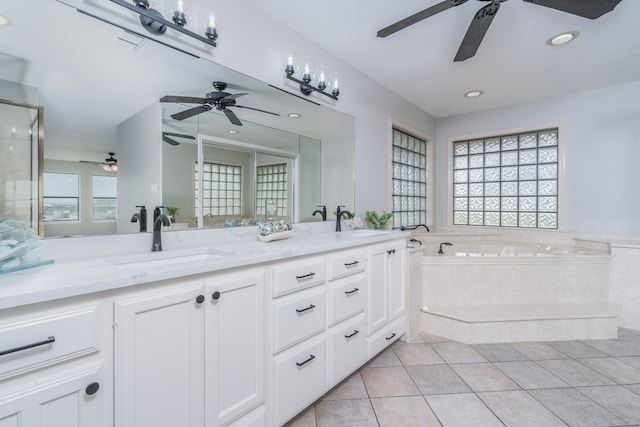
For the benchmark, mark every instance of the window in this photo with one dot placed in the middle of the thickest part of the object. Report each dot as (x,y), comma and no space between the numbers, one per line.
(105,197)
(271,188)
(221,193)
(409,193)
(508,181)
(61,196)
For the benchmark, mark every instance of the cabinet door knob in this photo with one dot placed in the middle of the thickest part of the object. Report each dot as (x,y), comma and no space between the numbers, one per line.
(92,388)
(215,296)
(200,299)
(391,251)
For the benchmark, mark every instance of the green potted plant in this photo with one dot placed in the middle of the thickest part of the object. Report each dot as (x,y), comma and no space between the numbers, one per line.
(172,211)
(379,222)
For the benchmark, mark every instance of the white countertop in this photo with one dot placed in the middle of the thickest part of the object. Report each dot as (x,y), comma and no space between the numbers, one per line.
(94,264)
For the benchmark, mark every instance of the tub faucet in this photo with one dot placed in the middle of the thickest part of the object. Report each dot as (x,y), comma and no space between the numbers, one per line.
(339,214)
(440,251)
(141,218)
(402,228)
(159,219)
(323,212)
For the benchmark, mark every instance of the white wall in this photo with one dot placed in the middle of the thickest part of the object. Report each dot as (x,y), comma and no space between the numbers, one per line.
(600,132)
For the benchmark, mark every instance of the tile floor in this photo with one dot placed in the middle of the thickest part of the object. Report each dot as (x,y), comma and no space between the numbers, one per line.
(435,382)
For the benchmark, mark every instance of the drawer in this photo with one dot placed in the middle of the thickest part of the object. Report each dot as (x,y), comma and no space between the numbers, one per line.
(47,339)
(346,263)
(298,317)
(346,298)
(292,276)
(385,337)
(299,378)
(347,349)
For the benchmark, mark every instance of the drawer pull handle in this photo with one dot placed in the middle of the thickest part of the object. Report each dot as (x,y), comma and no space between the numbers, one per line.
(92,389)
(302,310)
(393,335)
(355,332)
(351,264)
(28,346)
(352,291)
(391,251)
(306,276)
(301,364)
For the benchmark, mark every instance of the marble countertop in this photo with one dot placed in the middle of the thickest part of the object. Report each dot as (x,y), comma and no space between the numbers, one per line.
(88,265)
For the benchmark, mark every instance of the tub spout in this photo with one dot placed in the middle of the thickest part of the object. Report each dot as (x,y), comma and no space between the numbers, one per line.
(403,228)
(440,251)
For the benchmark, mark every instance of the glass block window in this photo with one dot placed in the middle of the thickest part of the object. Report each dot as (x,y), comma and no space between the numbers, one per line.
(221,189)
(61,196)
(105,197)
(271,189)
(507,181)
(409,180)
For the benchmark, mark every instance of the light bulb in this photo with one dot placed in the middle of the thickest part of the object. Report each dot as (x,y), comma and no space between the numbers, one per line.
(290,60)
(336,84)
(306,69)
(180,6)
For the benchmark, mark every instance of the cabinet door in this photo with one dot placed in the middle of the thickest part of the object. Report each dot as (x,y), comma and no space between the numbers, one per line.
(396,285)
(234,346)
(159,359)
(377,297)
(72,400)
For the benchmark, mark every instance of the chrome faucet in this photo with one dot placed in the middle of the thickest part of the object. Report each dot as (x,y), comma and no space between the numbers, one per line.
(323,212)
(440,251)
(403,228)
(339,214)
(141,218)
(159,220)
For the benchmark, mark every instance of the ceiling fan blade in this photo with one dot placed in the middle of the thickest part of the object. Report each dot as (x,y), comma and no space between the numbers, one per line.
(168,140)
(591,9)
(184,99)
(417,17)
(477,30)
(232,117)
(181,135)
(191,112)
(234,96)
(257,109)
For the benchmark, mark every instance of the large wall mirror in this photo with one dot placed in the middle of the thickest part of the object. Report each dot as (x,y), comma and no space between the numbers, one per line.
(101,86)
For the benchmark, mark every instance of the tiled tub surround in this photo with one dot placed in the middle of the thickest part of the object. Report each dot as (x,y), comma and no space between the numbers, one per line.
(485,290)
(433,382)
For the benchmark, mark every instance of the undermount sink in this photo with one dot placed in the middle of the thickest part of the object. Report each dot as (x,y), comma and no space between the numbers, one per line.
(368,233)
(164,259)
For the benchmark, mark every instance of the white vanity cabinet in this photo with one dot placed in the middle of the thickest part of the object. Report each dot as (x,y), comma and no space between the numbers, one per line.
(54,365)
(386,303)
(190,352)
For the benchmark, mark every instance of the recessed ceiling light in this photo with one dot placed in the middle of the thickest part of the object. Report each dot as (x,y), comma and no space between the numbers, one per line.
(4,21)
(232,131)
(294,115)
(473,93)
(562,38)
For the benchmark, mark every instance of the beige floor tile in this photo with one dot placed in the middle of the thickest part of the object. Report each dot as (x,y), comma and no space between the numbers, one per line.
(306,418)
(484,377)
(529,375)
(345,413)
(388,382)
(350,388)
(455,352)
(518,408)
(574,408)
(433,338)
(632,360)
(462,410)
(410,411)
(634,388)
(437,379)
(618,400)
(576,349)
(417,354)
(385,358)
(538,350)
(575,373)
(618,371)
(625,346)
(499,352)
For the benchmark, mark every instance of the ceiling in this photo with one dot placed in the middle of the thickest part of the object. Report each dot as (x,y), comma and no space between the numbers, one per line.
(513,64)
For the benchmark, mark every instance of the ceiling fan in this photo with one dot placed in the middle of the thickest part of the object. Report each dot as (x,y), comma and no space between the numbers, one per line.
(167,137)
(591,9)
(110,164)
(219,100)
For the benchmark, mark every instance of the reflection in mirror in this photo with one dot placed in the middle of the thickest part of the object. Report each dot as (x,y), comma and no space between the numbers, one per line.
(101,86)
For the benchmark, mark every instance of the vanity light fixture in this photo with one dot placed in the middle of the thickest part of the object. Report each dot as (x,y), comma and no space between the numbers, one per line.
(153,21)
(305,84)
(473,93)
(562,38)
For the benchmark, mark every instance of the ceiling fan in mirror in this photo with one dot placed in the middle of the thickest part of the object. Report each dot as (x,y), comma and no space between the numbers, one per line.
(110,164)
(591,9)
(219,100)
